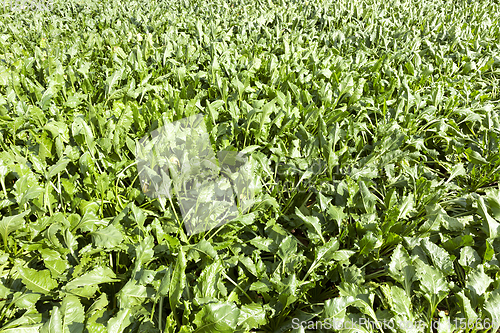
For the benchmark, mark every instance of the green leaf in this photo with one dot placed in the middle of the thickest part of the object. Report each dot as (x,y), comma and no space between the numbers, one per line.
(323,254)
(9,224)
(439,256)
(96,276)
(406,206)
(251,316)
(478,281)
(337,214)
(58,129)
(133,294)
(264,244)
(58,167)
(73,101)
(37,280)
(144,253)
(108,237)
(346,85)
(178,281)
(399,301)
(30,194)
(73,314)
(287,247)
(335,309)
(24,329)
(401,268)
(120,322)
(469,257)
(165,283)
(217,317)
(466,307)
(492,306)
(490,226)
(53,261)
(368,199)
(26,300)
(80,127)
(493,198)
(209,279)
(342,255)
(203,247)
(432,283)
(311,222)
(113,80)
(458,170)
(474,157)
(55,323)
(368,243)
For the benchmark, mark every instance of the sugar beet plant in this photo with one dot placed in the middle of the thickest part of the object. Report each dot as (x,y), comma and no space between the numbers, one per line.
(372,126)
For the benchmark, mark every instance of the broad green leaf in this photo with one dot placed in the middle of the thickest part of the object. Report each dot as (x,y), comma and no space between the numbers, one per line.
(493,199)
(217,317)
(250,265)
(73,315)
(80,127)
(24,329)
(98,305)
(346,85)
(144,252)
(469,257)
(108,237)
(406,206)
(342,255)
(96,276)
(26,300)
(54,262)
(55,323)
(73,101)
(475,157)
(37,280)
(120,321)
(209,279)
(458,170)
(165,283)
(399,301)
(369,243)
(401,268)
(478,281)
(133,294)
(336,213)
(311,222)
(112,81)
(58,167)
(335,308)
(287,247)
(432,283)
(491,227)
(439,256)
(327,251)
(263,244)
(30,194)
(251,316)
(466,307)
(9,224)
(203,247)
(492,306)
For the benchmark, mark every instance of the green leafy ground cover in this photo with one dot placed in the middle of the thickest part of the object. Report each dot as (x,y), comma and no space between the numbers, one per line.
(373,125)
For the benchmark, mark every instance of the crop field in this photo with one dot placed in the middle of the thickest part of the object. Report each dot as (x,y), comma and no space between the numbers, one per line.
(369,132)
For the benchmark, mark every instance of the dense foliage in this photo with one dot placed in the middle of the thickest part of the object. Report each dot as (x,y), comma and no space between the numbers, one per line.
(373,126)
